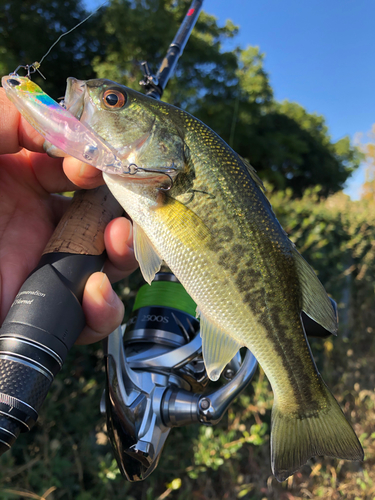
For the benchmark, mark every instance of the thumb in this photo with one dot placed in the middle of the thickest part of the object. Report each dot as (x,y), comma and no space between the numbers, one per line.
(103,309)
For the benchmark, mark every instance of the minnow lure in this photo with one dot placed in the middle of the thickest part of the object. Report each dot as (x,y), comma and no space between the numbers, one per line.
(58,126)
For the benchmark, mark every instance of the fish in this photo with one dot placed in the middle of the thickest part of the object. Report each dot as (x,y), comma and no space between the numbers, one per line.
(201,208)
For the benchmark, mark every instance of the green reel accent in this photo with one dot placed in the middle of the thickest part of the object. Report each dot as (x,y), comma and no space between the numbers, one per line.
(165,294)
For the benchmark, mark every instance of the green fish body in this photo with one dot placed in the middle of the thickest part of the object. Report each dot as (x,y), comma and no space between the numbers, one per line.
(216,231)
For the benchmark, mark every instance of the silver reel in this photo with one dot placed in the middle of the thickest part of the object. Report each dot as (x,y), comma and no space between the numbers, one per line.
(156,380)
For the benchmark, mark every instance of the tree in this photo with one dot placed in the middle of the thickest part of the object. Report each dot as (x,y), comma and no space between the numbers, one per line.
(229,91)
(149,29)
(293,149)
(28,29)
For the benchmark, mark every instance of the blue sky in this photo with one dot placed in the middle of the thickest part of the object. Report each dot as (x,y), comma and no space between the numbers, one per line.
(317,53)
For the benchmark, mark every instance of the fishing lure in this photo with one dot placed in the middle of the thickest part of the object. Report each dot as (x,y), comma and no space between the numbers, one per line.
(62,129)
(58,126)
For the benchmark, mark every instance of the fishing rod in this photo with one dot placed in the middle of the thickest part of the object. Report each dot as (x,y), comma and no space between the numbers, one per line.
(155,85)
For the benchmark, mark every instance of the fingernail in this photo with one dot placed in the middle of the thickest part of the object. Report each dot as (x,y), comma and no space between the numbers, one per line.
(88,172)
(129,241)
(108,293)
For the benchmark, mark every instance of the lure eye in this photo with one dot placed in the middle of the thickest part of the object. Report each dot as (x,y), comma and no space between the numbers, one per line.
(114,99)
(13,82)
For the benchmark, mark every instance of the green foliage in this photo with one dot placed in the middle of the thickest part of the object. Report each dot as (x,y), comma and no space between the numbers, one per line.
(291,148)
(150,28)
(28,29)
(336,235)
(230,91)
(68,449)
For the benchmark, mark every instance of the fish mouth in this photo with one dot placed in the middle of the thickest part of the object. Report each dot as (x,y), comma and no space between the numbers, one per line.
(78,102)
(74,96)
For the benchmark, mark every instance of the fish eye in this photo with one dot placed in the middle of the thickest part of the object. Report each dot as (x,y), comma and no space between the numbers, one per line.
(114,99)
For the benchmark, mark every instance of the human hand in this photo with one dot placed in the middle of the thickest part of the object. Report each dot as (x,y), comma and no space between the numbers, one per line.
(29,213)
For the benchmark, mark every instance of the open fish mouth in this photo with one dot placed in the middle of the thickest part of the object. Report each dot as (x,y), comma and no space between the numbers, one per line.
(74,96)
(78,102)
(73,102)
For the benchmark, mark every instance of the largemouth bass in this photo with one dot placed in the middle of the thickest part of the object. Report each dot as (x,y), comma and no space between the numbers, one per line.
(200,207)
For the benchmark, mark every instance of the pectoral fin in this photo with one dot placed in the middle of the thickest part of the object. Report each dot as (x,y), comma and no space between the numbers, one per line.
(218,347)
(315,301)
(144,252)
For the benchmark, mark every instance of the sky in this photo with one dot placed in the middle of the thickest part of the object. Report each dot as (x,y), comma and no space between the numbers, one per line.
(319,53)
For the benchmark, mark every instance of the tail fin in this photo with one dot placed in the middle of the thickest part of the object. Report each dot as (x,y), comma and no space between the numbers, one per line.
(295,438)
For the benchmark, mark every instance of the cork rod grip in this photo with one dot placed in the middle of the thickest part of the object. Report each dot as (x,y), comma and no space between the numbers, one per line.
(81,229)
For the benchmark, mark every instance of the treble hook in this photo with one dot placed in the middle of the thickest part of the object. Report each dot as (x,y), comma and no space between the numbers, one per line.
(133,169)
(30,68)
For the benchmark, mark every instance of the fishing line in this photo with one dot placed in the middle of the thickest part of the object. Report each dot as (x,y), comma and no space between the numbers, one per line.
(32,68)
(165,294)
(72,29)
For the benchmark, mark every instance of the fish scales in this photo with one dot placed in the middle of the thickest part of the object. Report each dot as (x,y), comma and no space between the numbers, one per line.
(217,232)
(253,257)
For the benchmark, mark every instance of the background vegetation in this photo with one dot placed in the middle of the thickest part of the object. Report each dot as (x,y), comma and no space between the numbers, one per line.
(230,91)
(67,455)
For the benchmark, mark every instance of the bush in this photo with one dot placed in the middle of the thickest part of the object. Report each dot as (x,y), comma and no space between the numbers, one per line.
(67,455)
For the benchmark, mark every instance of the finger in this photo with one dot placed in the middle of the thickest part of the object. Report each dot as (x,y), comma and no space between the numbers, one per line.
(103,309)
(49,173)
(118,239)
(15,132)
(26,167)
(81,174)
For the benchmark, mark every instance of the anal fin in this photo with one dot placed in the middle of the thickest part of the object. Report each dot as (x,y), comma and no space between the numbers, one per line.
(144,252)
(218,347)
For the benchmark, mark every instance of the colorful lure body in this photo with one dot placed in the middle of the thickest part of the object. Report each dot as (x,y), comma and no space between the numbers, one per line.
(58,126)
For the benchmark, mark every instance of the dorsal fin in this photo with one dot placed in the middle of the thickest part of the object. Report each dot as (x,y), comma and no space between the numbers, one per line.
(253,174)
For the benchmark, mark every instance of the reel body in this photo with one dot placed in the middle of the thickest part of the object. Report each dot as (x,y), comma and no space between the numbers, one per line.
(156,377)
